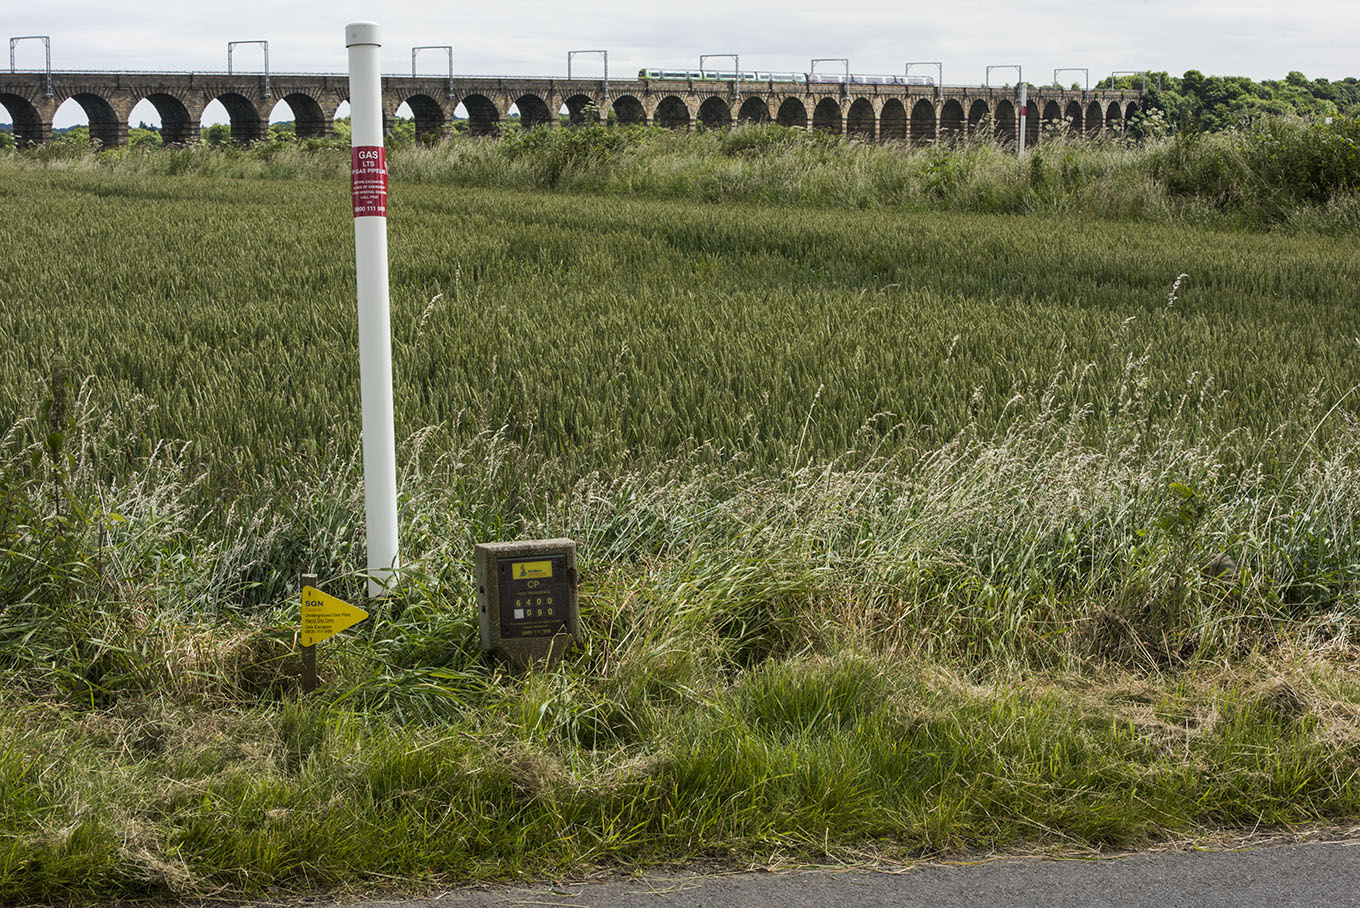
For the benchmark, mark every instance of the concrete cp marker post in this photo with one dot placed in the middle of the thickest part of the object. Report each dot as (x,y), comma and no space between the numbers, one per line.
(368,182)
(527,600)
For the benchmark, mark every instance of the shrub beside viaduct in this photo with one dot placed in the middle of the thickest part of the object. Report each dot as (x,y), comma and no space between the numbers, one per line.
(905,113)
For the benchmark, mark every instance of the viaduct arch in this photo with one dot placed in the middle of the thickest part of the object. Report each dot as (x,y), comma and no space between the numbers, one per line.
(915,114)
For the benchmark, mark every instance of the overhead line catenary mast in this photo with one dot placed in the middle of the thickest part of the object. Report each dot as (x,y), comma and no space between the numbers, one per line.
(231,47)
(47,44)
(443,47)
(571,54)
(1024,100)
(1073,69)
(1131,72)
(845,86)
(939,75)
(736,69)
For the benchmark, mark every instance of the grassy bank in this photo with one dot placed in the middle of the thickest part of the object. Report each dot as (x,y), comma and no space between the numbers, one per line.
(901,534)
(857,760)
(1281,174)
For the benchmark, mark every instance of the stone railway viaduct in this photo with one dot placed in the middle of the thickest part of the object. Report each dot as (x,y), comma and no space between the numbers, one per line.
(916,114)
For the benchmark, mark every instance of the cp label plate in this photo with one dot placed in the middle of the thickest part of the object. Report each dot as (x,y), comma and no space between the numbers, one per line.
(534,596)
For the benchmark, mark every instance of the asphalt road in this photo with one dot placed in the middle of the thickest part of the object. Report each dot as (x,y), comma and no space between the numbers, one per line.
(1312,875)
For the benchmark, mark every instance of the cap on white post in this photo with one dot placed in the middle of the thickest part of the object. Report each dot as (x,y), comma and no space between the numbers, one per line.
(363,33)
(368,184)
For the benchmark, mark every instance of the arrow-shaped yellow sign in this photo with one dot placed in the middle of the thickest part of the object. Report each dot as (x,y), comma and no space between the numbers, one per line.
(325,616)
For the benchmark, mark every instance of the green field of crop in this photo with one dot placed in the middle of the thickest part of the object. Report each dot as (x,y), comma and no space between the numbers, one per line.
(600,333)
(903,532)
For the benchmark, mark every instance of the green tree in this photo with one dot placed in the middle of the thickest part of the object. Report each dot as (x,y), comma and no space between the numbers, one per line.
(403,132)
(143,136)
(217,134)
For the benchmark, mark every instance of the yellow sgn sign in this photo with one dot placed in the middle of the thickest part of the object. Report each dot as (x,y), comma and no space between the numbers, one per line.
(531,570)
(325,616)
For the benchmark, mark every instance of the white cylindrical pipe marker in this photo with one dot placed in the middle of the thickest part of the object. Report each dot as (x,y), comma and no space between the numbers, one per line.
(1024,114)
(368,184)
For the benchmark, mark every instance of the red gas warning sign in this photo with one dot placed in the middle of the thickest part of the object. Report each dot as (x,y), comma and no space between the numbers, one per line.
(368,181)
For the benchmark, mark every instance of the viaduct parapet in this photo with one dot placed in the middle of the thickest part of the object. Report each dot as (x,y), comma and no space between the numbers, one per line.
(905,113)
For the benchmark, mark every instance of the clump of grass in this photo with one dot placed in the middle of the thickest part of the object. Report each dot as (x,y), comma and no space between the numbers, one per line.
(801,759)
(1049,541)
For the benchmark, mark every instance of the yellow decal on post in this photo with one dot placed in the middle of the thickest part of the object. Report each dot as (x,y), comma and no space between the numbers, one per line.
(531,570)
(325,616)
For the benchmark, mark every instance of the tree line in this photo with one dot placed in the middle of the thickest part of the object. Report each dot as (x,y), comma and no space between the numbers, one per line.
(1195,101)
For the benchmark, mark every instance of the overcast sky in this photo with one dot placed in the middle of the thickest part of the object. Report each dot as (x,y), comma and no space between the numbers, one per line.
(1255,38)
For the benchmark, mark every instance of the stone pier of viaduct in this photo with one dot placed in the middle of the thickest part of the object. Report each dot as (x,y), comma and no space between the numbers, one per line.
(916,114)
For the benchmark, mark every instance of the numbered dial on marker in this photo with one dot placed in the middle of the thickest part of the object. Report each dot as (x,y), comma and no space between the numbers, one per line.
(534,596)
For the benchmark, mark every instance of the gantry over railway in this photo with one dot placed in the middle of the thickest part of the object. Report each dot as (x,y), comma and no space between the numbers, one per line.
(920,114)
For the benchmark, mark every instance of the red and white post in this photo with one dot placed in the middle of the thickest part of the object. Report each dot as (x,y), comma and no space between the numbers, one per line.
(1024,115)
(368,183)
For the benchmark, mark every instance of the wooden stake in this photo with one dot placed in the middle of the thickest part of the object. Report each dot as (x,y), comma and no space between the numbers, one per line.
(308,652)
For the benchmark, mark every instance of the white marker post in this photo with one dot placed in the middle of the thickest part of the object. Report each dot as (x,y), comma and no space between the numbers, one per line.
(1024,111)
(368,184)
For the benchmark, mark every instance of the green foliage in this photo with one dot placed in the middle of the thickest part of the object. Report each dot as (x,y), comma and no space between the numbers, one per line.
(141,137)
(69,617)
(217,135)
(76,138)
(1306,162)
(1212,103)
(756,141)
(553,153)
(1269,172)
(402,133)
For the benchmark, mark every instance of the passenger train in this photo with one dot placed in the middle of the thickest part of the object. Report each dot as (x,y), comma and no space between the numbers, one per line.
(705,75)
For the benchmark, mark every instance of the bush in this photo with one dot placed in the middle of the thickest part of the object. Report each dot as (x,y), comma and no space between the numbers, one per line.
(1305,162)
(555,152)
